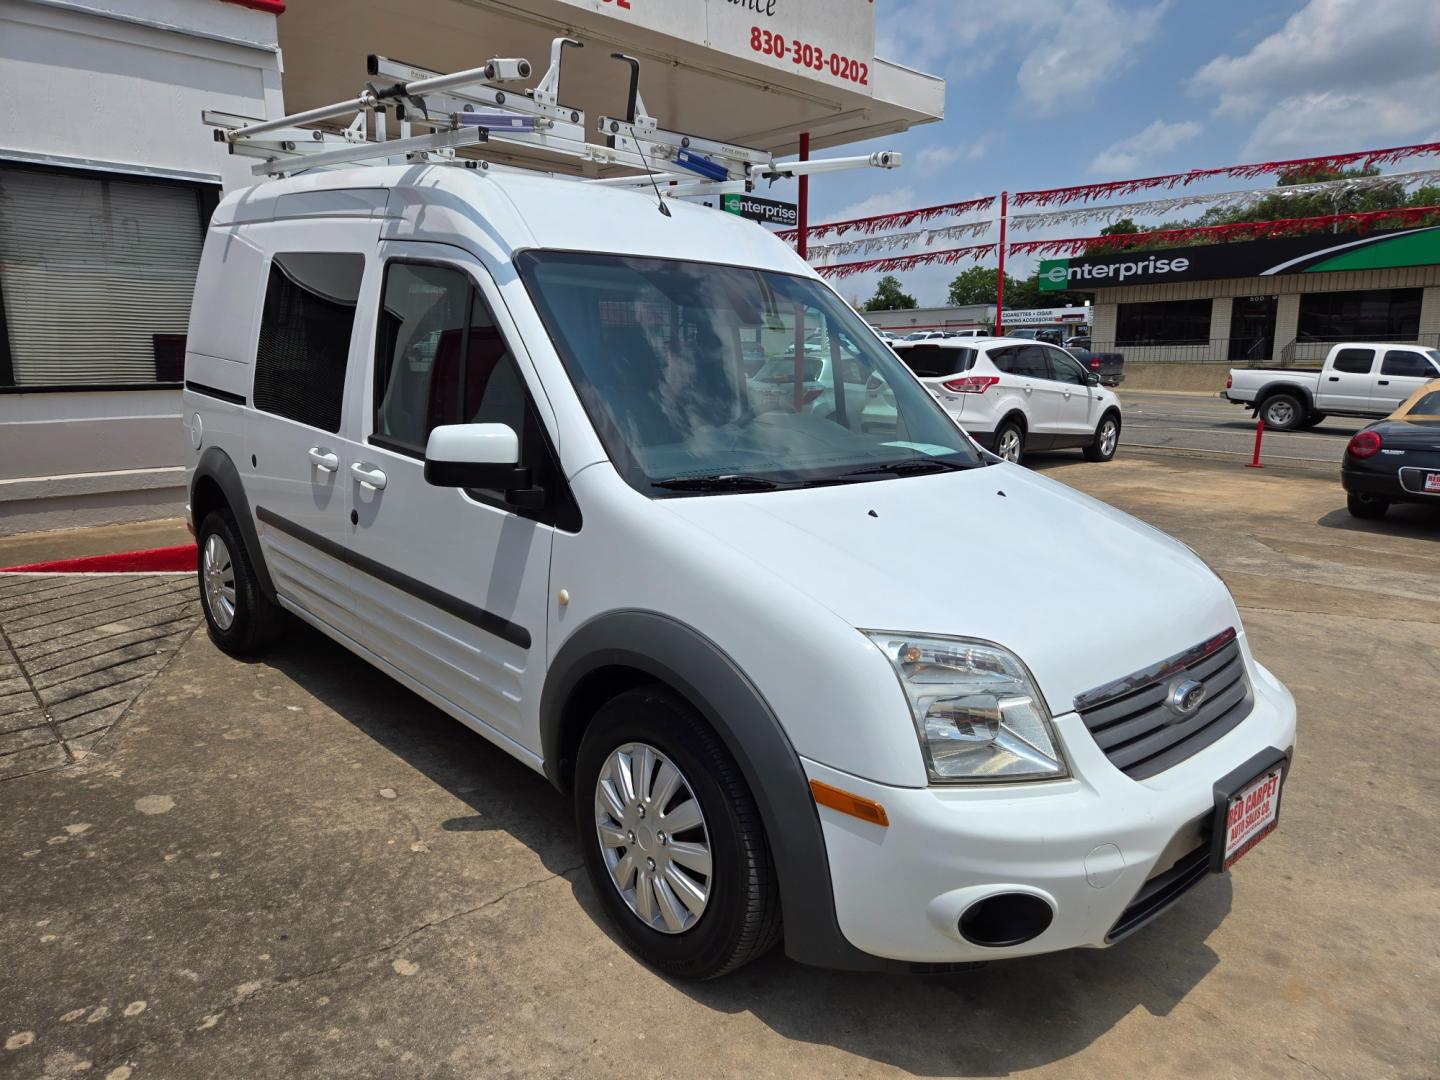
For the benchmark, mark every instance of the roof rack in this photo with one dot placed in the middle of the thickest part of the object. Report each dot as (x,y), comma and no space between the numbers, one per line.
(479,109)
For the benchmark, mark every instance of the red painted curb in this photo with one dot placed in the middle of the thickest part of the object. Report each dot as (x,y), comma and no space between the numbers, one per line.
(125,562)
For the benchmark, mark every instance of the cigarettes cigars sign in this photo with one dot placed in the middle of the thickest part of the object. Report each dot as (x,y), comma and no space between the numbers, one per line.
(1319,253)
(832,41)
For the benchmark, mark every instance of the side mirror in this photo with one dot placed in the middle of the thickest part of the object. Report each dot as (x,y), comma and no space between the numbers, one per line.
(480,456)
(1092,379)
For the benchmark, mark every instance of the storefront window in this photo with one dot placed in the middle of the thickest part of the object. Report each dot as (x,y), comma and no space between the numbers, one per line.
(1165,322)
(1373,315)
(96,275)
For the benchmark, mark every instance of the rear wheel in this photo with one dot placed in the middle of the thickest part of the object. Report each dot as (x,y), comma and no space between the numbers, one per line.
(1106,441)
(1366,506)
(1282,412)
(672,838)
(237,614)
(1010,441)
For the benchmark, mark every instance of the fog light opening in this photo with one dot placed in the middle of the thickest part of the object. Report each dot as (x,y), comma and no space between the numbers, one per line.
(1006,919)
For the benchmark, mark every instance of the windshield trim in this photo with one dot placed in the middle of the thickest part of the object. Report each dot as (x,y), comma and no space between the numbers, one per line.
(619,453)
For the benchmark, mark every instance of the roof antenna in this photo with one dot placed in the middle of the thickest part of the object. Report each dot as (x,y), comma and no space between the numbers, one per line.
(632,109)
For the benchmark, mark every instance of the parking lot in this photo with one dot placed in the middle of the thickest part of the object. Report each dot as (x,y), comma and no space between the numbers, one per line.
(1207,426)
(296,867)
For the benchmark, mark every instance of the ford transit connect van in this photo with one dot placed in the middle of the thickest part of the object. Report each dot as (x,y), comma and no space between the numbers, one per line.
(494,433)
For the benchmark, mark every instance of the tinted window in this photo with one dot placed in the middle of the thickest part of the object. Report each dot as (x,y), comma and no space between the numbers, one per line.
(305,336)
(1166,322)
(1355,361)
(932,361)
(1428,405)
(1372,315)
(1405,363)
(1027,361)
(1064,368)
(439,358)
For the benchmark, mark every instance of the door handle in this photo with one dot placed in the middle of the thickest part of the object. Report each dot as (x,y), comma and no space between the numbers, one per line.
(323,459)
(1383,382)
(368,475)
(1334,378)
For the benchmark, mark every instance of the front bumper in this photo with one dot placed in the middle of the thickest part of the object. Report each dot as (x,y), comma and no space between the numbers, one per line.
(1088,846)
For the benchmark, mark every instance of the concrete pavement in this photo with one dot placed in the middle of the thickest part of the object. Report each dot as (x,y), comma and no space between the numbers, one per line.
(294,867)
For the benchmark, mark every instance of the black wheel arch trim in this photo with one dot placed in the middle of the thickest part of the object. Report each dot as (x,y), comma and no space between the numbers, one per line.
(696,668)
(1269,390)
(216,465)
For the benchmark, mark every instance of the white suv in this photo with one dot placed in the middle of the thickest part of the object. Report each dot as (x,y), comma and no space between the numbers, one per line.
(1012,395)
(494,434)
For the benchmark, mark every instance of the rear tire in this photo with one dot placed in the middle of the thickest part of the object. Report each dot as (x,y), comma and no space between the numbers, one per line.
(739,915)
(238,616)
(1367,506)
(1106,441)
(1010,442)
(1283,412)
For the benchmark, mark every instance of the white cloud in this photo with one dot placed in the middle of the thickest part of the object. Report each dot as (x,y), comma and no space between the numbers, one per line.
(1129,154)
(1069,46)
(884,202)
(933,159)
(1339,75)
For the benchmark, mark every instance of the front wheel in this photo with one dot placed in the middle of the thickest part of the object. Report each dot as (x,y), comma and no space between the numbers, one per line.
(1366,506)
(1106,441)
(1281,412)
(672,837)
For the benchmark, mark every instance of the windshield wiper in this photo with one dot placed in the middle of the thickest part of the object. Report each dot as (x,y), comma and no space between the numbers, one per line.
(717,482)
(915,467)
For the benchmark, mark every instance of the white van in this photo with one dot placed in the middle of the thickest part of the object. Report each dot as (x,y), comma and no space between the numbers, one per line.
(494,434)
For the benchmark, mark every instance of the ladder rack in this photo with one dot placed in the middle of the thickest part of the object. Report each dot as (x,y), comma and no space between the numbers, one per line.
(480,109)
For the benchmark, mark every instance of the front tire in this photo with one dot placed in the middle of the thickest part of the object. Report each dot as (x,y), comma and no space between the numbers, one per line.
(1366,506)
(1283,412)
(672,837)
(1106,441)
(238,616)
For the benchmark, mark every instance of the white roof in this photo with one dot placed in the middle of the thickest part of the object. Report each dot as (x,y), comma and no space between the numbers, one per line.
(968,342)
(515,210)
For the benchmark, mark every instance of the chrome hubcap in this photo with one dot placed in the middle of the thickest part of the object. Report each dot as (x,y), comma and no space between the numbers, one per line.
(1109,436)
(1280,413)
(1010,445)
(217,575)
(653,838)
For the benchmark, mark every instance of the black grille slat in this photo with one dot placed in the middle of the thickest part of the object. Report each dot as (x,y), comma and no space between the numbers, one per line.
(1142,736)
(1141,724)
(1161,891)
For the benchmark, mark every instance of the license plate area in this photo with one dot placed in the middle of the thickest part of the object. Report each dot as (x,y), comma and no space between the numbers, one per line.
(1432,483)
(1247,808)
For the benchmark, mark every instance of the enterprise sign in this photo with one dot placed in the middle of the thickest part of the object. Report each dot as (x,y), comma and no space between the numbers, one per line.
(1320,253)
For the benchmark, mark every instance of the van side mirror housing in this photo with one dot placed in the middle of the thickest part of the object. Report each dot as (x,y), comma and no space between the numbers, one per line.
(480,456)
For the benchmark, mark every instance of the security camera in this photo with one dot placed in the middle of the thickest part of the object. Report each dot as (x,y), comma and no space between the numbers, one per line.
(498,70)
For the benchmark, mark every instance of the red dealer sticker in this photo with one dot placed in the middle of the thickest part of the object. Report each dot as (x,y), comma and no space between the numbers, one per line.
(1251,816)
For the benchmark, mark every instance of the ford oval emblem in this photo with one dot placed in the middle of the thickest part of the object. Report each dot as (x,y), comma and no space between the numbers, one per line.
(1185,697)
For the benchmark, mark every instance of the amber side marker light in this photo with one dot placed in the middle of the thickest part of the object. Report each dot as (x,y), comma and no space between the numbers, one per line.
(864,809)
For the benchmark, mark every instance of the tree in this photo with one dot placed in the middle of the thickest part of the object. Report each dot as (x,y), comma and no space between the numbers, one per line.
(974,286)
(889,297)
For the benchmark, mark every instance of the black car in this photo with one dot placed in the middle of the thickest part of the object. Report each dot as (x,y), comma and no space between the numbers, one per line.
(1397,459)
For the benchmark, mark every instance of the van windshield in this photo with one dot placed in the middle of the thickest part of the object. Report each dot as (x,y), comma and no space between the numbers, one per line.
(664,356)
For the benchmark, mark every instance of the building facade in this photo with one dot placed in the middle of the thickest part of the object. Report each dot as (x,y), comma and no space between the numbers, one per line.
(107,179)
(1283,301)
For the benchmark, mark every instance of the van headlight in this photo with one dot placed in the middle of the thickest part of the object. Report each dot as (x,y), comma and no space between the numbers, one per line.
(976,710)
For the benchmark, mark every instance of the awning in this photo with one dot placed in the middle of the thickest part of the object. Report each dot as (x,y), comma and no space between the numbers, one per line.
(757,73)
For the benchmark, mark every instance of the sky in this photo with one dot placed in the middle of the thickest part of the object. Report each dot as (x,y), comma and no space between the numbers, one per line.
(1046,93)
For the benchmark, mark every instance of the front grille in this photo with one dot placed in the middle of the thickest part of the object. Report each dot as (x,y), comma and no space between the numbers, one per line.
(1132,721)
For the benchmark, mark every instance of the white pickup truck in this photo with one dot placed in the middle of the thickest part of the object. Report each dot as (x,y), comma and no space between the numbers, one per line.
(1358,379)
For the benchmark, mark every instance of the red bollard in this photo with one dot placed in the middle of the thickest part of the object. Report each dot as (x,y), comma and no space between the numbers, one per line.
(1259,434)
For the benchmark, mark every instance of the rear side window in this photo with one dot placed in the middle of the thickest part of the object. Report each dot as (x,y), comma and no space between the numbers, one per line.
(305,336)
(1027,361)
(1428,405)
(1402,362)
(933,361)
(1355,361)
